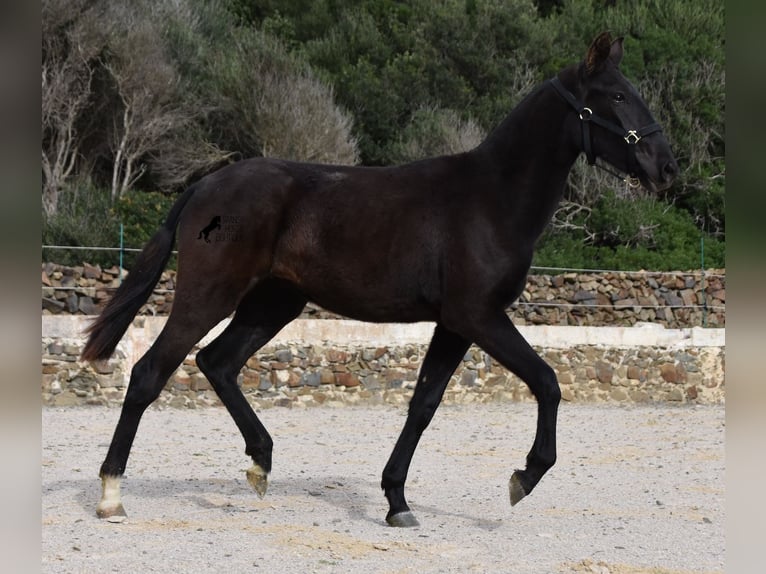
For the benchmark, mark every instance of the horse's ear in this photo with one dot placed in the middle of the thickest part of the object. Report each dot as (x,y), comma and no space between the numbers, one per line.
(615,51)
(602,49)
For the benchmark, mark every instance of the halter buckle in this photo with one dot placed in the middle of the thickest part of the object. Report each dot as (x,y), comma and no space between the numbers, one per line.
(633,182)
(632,137)
(585,114)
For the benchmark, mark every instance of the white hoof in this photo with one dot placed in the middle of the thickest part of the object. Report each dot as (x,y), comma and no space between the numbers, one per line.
(110,505)
(258,479)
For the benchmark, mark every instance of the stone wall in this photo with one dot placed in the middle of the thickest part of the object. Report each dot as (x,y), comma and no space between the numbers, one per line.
(675,300)
(332,362)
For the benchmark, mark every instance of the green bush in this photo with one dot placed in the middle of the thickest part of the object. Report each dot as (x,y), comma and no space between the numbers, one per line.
(87,219)
(433,132)
(387,60)
(630,233)
(141,215)
(84,219)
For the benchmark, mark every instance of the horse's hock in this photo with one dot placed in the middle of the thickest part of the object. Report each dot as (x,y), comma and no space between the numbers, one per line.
(336,362)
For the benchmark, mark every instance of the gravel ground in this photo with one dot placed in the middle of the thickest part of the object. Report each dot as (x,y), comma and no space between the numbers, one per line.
(636,489)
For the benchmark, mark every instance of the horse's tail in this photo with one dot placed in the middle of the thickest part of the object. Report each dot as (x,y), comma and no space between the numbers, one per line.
(106,331)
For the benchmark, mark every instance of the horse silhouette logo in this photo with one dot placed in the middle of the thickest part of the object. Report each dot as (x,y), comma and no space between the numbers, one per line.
(214,224)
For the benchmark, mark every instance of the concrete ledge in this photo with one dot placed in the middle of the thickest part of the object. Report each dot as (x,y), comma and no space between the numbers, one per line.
(348,332)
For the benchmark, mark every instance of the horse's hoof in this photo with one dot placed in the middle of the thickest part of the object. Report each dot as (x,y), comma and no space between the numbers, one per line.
(112,513)
(403,520)
(258,479)
(110,505)
(515,489)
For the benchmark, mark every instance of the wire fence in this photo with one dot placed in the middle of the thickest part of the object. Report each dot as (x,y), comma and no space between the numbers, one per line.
(533,267)
(701,277)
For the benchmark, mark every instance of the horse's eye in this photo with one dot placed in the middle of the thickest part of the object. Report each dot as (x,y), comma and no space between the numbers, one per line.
(619,97)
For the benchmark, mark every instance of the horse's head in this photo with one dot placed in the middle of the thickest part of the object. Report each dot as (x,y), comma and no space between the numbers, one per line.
(616,123)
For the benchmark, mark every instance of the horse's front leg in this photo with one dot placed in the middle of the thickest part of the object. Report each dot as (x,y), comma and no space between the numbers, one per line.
(444,354)
(500,338)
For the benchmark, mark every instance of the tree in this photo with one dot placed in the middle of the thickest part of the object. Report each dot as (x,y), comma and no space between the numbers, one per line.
(146,84)
(67,72)
(290,112)
(270,103)
(65,92)
(151,95)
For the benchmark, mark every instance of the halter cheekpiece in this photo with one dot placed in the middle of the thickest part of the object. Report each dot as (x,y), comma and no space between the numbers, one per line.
(631,137)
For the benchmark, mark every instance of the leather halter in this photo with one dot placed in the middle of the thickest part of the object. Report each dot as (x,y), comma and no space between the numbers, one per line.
(586,115)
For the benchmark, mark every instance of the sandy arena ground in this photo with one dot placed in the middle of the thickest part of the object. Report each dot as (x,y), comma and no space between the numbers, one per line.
(636,489)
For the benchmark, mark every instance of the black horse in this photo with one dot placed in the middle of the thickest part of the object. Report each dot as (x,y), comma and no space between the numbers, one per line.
(447,239)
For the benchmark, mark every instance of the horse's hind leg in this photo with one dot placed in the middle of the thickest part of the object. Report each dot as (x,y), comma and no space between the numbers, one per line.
(444,354)
(147,380)
(262,313)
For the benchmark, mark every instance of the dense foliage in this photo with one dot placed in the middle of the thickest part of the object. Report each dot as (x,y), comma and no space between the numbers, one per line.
(162,92)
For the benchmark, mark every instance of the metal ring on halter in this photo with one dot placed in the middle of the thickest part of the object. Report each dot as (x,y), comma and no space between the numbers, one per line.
(632,182)
(585,114)
(632,138)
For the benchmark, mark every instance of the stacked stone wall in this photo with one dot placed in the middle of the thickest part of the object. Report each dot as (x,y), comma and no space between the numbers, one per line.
(629,365)
(674,300)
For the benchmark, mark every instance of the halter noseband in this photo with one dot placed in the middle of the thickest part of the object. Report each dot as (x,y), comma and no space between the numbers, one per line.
(631,137)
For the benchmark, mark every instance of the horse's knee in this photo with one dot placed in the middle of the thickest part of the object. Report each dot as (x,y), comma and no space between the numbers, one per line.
(546,389)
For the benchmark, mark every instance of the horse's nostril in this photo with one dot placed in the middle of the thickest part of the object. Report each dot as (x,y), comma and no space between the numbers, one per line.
(670,171)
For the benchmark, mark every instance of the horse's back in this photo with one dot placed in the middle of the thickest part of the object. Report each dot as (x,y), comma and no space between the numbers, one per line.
(371,243)
(365,242)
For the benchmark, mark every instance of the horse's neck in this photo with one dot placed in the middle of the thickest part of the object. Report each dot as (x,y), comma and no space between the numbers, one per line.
(531,153)
(534,135)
